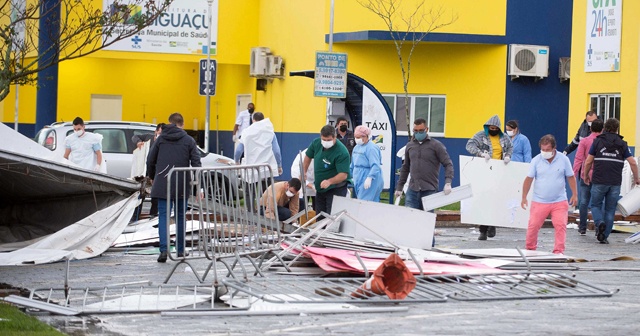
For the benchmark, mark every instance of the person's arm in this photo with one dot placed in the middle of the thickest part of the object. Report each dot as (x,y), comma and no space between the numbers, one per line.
(446,162)
(276,152)
(375,162)
(140,139)
(294,204)
(194,155)
(404,171)
(235,129)
(305,164)
(578,161)
(634,169)
(67,152)
(338,178)
(268,201)
(99,157)
(473,146)
(152,159)
(526,186)
(526,150)
(574,143)
(586,177)
(508,147)
(574,190)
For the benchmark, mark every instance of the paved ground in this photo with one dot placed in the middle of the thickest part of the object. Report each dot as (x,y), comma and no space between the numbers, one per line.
(580,316)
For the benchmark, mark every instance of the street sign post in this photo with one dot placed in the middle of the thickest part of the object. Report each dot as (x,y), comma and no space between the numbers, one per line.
(208,77)
(331,75)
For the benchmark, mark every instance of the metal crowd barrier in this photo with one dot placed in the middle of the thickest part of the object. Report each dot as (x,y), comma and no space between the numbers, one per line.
(225,205)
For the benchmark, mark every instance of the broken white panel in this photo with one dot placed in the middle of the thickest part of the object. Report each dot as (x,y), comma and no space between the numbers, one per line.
(256,304)
(630,203)
(400,225)
(17,143)
(146,231)
(438,200)
(87,238)
(633,239)
(497,192)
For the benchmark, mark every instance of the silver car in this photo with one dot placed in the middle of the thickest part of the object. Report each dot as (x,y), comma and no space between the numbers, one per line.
(117,147)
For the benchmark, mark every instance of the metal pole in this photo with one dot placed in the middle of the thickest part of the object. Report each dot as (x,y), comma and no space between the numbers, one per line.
(217,128)
(329,107)
(15,114)
(208,77)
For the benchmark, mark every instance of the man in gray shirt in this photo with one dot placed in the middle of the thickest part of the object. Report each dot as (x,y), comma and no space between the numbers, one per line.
(422,158)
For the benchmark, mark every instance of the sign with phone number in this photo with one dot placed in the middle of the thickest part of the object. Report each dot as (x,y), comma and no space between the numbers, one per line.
(331,75)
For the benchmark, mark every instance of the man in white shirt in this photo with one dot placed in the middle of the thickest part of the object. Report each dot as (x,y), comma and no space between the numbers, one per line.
(84,149)
(242,121)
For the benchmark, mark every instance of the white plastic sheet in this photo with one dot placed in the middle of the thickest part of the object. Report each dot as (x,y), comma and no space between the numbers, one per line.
(497,192)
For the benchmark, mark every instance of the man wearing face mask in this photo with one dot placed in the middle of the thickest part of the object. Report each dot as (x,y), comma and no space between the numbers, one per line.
(331,163)
(490,143)
(243,121)
(423,157)
(583,132)
(550,168)
(345,135)
(84,149)
(286,200)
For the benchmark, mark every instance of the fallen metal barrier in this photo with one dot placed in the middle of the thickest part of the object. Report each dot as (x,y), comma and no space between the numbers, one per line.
(499,286)
(225,203)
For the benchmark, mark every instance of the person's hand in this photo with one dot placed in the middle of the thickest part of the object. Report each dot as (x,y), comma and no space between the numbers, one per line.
(279,170)
(637,180)
(201,194)
(574,200)
(586,179)
(325,184)
(564,152)
(447,188)
(507,159)
(140,144)
(367,183)
(311,186)
(398,194)
(524,204)
(97,167)
(486,156)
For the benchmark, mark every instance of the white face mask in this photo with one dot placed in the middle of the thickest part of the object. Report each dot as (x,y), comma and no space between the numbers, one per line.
(289,193)
(327,144)
(79,132)
(359,141)
(510,133)
(589,123)
(546,155)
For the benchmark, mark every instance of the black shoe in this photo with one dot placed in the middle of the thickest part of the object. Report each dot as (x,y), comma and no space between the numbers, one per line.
(483,236)
(604,241)
(583,232)
(600,232)
(163,257)
(182,255)
(491,232)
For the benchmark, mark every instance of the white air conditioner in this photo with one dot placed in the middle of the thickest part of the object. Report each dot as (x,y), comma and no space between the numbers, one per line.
(564,71)
(258,64)
(528,60)
(274,66)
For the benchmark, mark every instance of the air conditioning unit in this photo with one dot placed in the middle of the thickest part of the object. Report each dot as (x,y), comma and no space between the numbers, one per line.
(528,60)
(564,71)
(258,64)
(274,66)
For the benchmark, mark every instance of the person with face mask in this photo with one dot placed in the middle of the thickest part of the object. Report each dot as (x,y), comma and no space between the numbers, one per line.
(366,162)
(286,200)
(243,121)
(490,143)
(520,143)
(344,134)
(583,131)
(331,164)
(84,148)
(423,157)
(584,190)
(550,169)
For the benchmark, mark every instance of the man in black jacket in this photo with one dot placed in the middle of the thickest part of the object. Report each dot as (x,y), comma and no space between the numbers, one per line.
(175,148)
(583,132)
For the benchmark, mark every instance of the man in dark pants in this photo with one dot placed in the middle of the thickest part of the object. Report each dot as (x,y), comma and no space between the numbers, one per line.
(139,140)
(175,148)
(331,163)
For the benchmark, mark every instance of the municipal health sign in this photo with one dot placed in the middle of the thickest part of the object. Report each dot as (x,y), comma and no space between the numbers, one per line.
(182,29)
(331,75)
(604,29)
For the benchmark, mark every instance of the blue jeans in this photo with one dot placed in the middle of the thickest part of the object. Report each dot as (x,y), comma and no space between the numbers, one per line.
(584,196)
(413,199)
(180,204)
(607,194)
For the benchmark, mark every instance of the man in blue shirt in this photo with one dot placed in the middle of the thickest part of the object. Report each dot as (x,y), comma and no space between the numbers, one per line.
(549,169)
(607,155)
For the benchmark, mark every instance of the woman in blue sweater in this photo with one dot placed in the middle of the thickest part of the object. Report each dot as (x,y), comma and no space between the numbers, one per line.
(520,143)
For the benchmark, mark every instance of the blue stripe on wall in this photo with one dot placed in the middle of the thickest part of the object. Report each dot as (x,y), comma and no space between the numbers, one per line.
(28,130)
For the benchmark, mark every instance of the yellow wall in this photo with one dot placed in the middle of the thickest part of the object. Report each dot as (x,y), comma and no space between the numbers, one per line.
(623,82)
(474,17)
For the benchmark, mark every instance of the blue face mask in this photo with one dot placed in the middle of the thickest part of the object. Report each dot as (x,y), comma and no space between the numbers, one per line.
(420,136)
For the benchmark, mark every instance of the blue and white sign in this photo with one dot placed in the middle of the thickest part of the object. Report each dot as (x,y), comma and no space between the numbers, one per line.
(331,75)
(208,76)
(603,35)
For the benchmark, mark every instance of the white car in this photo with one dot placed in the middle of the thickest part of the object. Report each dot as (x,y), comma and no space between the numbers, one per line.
(117,146)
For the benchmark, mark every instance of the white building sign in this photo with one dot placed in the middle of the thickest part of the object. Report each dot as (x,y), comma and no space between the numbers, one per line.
(182,29)
(604,28)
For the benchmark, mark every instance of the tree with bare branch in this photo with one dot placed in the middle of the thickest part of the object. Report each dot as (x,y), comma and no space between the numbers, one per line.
(408,30)
(79,30)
